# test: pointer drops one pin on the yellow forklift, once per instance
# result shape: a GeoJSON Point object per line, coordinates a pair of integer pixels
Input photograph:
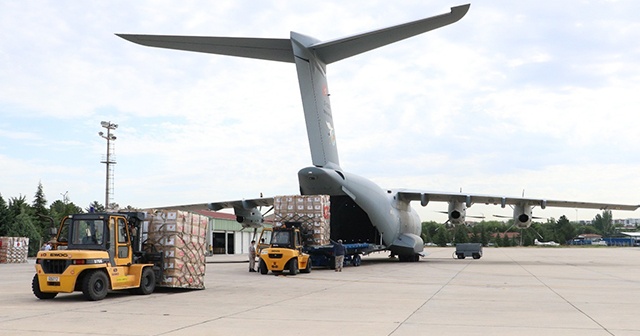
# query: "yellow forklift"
{"type": "Point", "coordinates": [96, 253]}
{"type": "Point", "coordinates": [282, 250]}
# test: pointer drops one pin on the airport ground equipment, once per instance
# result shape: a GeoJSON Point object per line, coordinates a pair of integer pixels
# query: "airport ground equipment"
{"type": "Point", "coordinates": [322, 256]}
{"type": "Point", "coordinates": [464, 250]}
{"type": "Point", "coordinates": [284, 251]}
{"type": "Point", "coordinates": [96, 253]}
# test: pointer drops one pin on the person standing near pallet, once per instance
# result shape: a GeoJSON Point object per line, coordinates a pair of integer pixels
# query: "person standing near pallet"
{"type": "Point", "coordinates": [252, 256]}
{"type": "Point", "coordinates": [338, 253]}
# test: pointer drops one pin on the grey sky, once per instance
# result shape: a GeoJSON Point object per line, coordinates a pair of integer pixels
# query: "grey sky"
{"type": "Point", "coordinates": [540, 96]}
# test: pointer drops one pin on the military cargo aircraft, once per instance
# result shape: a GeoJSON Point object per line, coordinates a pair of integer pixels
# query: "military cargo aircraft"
{"type": "Point", "coordinates": [361, 211]}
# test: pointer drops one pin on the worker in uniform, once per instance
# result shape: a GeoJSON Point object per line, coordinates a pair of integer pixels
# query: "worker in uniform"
{"type": "Point", "coordinates": [252, 256]}
{"type": "Point", "coordinates": [338, 253]}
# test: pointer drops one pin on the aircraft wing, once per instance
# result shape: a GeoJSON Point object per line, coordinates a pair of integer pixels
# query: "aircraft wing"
{"type": "Point", "coordinates": [215, 206]}
{"type": "Point", "coordinates": [426, 196]}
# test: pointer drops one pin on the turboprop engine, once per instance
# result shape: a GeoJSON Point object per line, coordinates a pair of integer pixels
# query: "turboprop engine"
{"type": "Point", "coordinates": [249, 218]}
{"type": "Point", "coordinates": [248, 212]}
{"type": "Point", "coordinates": [522, 215]}
{"type": "Point", "coordinates": [457, 212]}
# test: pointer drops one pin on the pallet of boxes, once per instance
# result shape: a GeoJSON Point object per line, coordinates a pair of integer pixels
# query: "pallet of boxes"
{"type": "Point", "coordinates": [180, 235]}
{"type": "Point", "coordinates": [312, 211]}
{"type": "Point", "coordinates": [14, 250]}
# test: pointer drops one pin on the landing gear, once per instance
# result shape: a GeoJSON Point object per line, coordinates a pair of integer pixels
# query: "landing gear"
{"type": "Point", "coordinates": [356, 260]}
{"type": "Point", "coordinates": [409, 257]}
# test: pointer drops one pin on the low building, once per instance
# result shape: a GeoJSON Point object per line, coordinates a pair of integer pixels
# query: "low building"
{"type": "Point", "coordinates": [225, 235]}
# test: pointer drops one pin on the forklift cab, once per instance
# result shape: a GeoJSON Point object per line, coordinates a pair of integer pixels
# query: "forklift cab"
{"type": "Point", "coordinates": [103, 232]}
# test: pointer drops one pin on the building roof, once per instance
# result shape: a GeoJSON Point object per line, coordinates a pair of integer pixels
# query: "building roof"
{"type": "Point", "coordinates": [632, 234]}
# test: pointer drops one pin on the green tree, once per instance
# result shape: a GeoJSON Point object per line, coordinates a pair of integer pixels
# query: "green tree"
{"type": "Point", "coordinates": [429, 230]}
{"type": "Point", "coordinates": [564, 230]}
{"type": "Point", "coordinates": [442, 236]}
{"type": "Point", "coordinates": [41, 212]}
{"type": "Point", "coordinates": [604, 223]}
{"type": "Point", "coordinates": [586, 229]}
{"type": "Point", "coordinates": [5, 217]}
{"type": "Point", "coordinates": [23, 223]}
{"type": "Point", "coordinates": [97, 207]}
{"type": "Point", "coordinates": [484, 236]}
{"type": "Point", "coordinates": [506, 242]}
{"type": "Point", "coordinates": [59, 210]}
{"type": "Point", "coordinates": [461, 234]}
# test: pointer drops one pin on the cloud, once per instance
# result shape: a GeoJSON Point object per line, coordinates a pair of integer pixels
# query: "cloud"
{"type": "Point", "coordinates": [514, 96]}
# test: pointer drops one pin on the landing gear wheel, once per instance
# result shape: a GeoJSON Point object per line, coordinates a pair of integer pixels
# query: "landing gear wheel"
{"type": "Point", "coordinates": [35, 286]}
{"type": "Point", "coordinates": [147, 282]}
{"type": "Point", "coordinates": [293, 266]}
{"type": "Point", "coordinates": [356, 260]}
{"type": "Point", "coordinates": [95, 286]}
{"type": "Point", "coordinates": [263, 267]}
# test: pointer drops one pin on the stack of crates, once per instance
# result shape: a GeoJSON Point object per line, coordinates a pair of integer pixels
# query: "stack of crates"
{"type": "Point", "coordinates": [180, 235]}
{"type": "Point", "coordinates": [313, 211]}
{"type": "Point", "coordinates": [14, 250]}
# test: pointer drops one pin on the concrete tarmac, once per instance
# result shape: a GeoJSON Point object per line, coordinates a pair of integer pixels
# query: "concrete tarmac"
{"type": "Point", "coordinates": [510, 291]}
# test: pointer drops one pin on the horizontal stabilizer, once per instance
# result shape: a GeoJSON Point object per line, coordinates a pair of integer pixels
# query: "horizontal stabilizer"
{"type": "Point", "coordinates": [332, 51]}
{"type": "Point", "coordinates": [261, 48]}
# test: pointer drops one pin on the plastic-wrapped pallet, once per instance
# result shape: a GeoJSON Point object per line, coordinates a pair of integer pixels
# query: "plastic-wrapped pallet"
{"type": "Point", "coordinates": [181, 236]}
{"type": "Point", "coordinates": [313, 211]}
{"type": "Point", "coordinates": [13, 250]}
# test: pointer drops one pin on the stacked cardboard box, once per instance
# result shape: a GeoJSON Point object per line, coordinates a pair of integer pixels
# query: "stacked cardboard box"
{"type": "Point", "coordinates": [181, 236]}
{"type": "Point", "coordinates": [313, 211]}
{"type": "Point", "coordinates": [13, 249]}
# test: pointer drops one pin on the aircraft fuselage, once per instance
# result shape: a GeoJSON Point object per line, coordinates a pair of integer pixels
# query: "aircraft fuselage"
{"type": "Point", "coordinates": [396, 222]}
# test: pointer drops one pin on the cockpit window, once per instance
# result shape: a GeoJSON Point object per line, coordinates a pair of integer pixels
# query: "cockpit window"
{"type": "Point", "coordinates": [281, 238]}
{"type": "Point", "coordinates": [88, 232]}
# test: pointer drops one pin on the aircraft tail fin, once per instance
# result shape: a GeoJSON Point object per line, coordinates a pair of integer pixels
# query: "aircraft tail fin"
{"type": "Point", "coordinates": [311, 57]}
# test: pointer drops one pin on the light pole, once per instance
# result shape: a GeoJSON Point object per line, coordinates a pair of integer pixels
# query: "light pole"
{"type": "Point", "coordinates": [109, 160]}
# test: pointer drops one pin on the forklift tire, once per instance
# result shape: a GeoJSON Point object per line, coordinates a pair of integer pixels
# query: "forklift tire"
{"type": "Point", "coordinates": [293, 266]}
{"type": "Point", "coordinates": [95, 285]}
{"type": "Point", "coordinates": [147, 282]}
{"type": "Point", "coordinates": [307, 269]}
{"type": "Point", "coordinates": [263, 267]}
{"type": "Point", "coordinates": [35, 286]}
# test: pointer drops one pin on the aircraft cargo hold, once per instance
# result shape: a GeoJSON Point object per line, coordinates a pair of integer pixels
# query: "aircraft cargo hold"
{"type": "Point", "coordinates": [302, 236]}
